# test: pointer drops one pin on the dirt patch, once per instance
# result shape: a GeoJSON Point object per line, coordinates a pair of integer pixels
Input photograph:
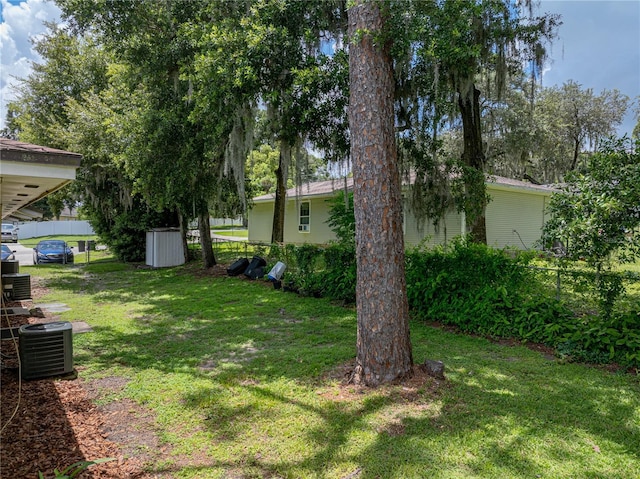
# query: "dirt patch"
{"type": "Point", "coordinates": [415, 387]}
{"type": "Point", "coordinates": [196, 269]}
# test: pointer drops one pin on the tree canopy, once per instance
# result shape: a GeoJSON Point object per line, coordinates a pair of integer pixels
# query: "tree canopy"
{"type": "Point", "coordinates": [197, 73]}
{"type": "Point", "coordinates": [597, 215]}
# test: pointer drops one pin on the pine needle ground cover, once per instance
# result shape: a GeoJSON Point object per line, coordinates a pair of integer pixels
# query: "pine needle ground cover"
{"type": "Point", "coordinates": [242, 380]}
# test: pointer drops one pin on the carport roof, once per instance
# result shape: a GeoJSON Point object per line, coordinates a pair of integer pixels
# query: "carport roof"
{"type": "Point", "coordinates": [31, 172]}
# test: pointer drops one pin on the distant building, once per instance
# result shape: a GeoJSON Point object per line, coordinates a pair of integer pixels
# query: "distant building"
{"type": "Point", "coordinates": [515, 215]}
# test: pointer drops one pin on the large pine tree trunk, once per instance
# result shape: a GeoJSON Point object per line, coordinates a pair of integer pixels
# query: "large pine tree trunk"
{"type": "Point", "coordinates": [473, 154]}
{"type": "Point", "coordinates": [383, 344]}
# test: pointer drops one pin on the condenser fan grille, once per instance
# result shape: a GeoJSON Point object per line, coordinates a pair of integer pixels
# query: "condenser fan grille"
{"type": "Point", "coordinates": [46, 349]}
{"type": "Point", "coordinates": [20, 285]}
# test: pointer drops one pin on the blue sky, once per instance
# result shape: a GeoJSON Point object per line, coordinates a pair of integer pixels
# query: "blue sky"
{"type": "Point", "coordinates": [598, 45]}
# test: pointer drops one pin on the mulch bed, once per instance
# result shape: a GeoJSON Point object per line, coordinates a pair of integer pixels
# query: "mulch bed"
{"type": "Point", "coordinates": [53, 423]}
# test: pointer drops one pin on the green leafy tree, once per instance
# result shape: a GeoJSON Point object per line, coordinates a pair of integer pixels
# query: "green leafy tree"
{"type": "Point", "coordinates": [541, 134]}
{"type": "Point", "coordinates": [72, 66]}
{"type": "Point", "coordinates": [342, 220]}
{"type": "Point", "coordinates": [268, 51]}
{"type": "Point", "coordinates": [263, 161]}
{"type": "Point", "coordinates": [574, 121]}
{"type": "Point", "coordinates": [176, 161]}
{"type": "Point", "coordinates": [513, 132]}
{"type": "Point", "coordinates": [119, 216]}
{"type": "Point", "coordinates": [260, 167]}
{"type": "Point", "coordinates": [466, 44]}
{"type": "Point", "coordinates": [597, 216]}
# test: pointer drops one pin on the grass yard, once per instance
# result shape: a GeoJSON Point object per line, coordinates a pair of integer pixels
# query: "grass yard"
{"type": "Point", "coordinates": [243, 381]}
{"type": "Point", "coordinates": [72, 240]}
{"type": "Point", "coordinates": [237, 232]}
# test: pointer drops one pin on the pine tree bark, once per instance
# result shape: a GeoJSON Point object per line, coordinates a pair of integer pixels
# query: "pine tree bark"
{"type": "Point", "coordinates": [383, 343]}
{"type": "Point", "coordinates": [473, 153]}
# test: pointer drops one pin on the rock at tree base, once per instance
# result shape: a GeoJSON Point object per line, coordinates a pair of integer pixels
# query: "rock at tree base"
{"type": "Point", "coordinates": [434, 368]}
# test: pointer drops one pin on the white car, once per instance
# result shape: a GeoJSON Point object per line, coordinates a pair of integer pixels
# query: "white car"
{"type": "Point", "coordinates": [9, 233]}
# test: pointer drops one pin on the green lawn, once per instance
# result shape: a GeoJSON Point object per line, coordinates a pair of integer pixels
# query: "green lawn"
{"type": "Point", "coordinates": [237, 376]}
{"type": "Point", "coordinates": [241, 233]}
{"type": "Point", "coordinates": [72, 240]}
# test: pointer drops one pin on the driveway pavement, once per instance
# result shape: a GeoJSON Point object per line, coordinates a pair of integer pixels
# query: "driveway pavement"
{"type": "Point", "coordinates": [218, 237]}
{"type": "Point", "coordinates": [23, 254]}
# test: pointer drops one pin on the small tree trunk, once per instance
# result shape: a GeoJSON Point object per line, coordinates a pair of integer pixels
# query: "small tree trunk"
{"type": "Point", "coordinates": [383, 344]}
{"type": "Point", "coordinates": [183, 230]}
{"type": "Point", "coordinates": [277, 230]}
{"type": "Point", "coordinates": [576, 153]}
{"type": "Point", "coordinates": [473, 156]}
{"type": "Point", "coordinates": [208, 258]}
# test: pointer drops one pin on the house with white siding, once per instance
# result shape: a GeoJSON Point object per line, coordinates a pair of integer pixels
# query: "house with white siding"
{"type": "Point", "coordinates": [515, 215]}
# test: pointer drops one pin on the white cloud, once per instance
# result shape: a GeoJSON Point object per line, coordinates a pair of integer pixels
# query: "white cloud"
{"type": "Point", "coordinates": [598, 44]}
{"type": "Point", "coordinates": [21, 22]}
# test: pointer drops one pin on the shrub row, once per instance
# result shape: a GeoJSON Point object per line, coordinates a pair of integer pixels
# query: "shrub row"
{"type": "Point", "coordinates": [327, 272]}
{"type": "Point", "coordinates": [479, 290]}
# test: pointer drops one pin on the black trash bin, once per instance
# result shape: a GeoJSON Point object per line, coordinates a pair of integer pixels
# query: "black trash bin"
{"type": "Point", "coordinates": [81, 246]}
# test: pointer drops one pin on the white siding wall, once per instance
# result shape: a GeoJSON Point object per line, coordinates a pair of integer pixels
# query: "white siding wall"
{"type": "Point", "coordinates": [515, 219]}
{"type": "Point", "coordinates": [448, 229]}
{"type": "Point", "coordinates": [260, 222]}
{"type": "Point", "coordinates": [319, 231]}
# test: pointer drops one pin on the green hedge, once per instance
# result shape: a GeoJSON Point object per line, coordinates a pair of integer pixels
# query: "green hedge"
{"type": "Point", "coordinates": [479, 290]}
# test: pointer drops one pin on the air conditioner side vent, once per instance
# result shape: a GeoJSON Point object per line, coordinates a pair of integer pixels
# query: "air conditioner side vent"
{"type": "Point", "coordinates": [20, 285]}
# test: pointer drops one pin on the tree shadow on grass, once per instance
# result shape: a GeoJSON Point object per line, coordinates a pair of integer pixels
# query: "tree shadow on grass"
{"type": "Point", "coordinates": [523, 432]}
{"type": "Point", "coordinates": [526, 415]}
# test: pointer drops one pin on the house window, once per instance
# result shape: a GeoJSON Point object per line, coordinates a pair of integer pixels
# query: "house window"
{"type": "Point", "coordinates": [304, 217]}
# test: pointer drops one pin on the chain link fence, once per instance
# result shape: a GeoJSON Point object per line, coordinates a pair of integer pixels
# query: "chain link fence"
{"type": "Point", "coordinates": [590, 292]}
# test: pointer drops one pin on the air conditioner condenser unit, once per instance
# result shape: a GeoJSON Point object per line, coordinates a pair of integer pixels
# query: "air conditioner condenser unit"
{"type": "Point", "coordinates": [46, 349]}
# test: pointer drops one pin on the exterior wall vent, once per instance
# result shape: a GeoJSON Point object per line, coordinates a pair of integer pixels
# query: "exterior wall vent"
{"type": "Point", "coordinates": [10, 266]}
{"type": "Point", "coordinates": [46, 349]}
{"type": "Point", "coordinates": [19, 284]}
